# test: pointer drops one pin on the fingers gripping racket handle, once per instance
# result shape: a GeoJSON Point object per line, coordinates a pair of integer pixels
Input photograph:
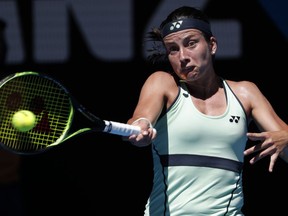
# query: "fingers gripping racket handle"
{"type": "Point", "coordinates": [122, 129]}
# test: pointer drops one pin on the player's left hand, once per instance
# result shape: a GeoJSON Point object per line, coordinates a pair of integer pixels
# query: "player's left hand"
{"type": "Point", "coordinates": [271, 143]}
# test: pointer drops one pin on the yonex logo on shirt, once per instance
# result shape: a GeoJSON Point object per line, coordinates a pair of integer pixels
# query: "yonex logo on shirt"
{"type": "Point", "coordinates": [234, 119]}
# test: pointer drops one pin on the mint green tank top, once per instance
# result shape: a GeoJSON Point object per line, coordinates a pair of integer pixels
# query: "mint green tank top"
{"type": "Point", "coordinates": [198, 160]}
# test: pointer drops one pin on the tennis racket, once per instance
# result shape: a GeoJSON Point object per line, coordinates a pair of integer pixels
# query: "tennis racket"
{"type": "Point", "coordinates": [56, 112]}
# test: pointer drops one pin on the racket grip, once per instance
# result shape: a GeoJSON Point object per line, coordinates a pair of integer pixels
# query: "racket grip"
{"type": "Point", "coordinates": [122, 129]}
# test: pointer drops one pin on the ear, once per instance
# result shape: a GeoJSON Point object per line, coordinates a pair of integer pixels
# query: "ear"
{"type": "Point", "coordinates": [213, 45]}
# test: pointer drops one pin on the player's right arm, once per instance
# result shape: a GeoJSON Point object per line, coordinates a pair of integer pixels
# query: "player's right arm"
{"type": "Point", "coordinates": [158, 91]}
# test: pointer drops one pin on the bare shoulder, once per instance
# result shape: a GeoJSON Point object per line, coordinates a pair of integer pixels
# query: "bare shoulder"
{"type": "Point", "coordinates": [162, 79]}
{"type": "Point", "coordinates": [247, 92]}
{"type": "Point", "coordinates": [243, 87]}
{"type": "Point", "coordinates": [163, 86]}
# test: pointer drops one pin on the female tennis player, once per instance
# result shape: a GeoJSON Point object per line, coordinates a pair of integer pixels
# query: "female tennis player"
{"type": "Point", "coordinates": [201, 121]}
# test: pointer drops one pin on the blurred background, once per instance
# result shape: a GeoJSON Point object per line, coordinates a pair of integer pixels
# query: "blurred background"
{"type": "Point", "coordinates": [97, 50]}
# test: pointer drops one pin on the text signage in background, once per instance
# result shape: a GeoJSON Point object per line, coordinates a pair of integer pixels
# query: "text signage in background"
{"type": "Point", "coordinates": [106, 26]}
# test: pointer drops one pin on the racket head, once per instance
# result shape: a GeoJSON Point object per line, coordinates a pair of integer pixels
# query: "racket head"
{"type": "Point", "coordinates": [47, 99]}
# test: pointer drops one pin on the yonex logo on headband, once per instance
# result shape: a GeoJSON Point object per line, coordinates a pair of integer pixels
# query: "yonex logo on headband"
{"type": "Point", "coordinates": [188, 23]}
{"type": "Point", "coordinates": [176, 25]}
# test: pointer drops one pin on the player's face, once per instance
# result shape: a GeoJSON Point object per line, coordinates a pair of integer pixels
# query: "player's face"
{"type": "Point", "coordinates": [189, 53]}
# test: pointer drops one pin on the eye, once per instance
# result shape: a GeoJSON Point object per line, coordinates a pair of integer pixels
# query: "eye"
{"type": "Point", "coordinates": [172, 49]}
{"type": "Point", "coordinates": [191, 43]}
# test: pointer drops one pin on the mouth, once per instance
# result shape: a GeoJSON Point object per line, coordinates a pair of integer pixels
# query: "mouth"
{"type": "Point", "coordinates": [187, 70]}
{"type": "Point", "coordinates": [190, 73]}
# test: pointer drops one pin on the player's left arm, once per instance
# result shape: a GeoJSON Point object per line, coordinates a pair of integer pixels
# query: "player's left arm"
{"type": "Point", "coordinates": [273, 136]}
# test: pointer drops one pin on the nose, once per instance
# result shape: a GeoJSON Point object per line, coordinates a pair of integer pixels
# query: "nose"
{"type": "Point", "coordinates": [183, 57]}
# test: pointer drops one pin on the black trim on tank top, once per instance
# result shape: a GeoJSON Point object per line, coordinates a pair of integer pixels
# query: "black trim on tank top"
{"type": "Point", "coordinates": [200, 160]}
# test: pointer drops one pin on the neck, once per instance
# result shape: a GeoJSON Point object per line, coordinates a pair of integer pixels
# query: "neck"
{"type": "Point", "coordinates": [205, 90]}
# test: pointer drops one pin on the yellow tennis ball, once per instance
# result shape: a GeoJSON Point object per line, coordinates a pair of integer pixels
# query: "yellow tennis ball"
{"type": "Point", "coordinates": [23, 120]}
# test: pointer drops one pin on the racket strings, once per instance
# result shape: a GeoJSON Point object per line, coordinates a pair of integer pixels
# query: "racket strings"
{"type": "Point", "coordinates": [47, 99]}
